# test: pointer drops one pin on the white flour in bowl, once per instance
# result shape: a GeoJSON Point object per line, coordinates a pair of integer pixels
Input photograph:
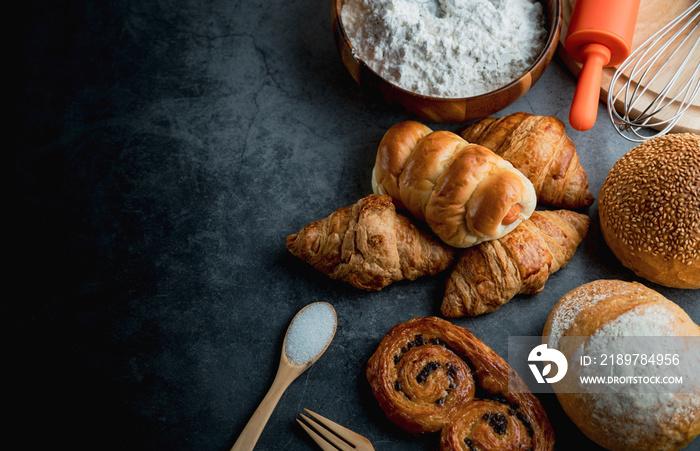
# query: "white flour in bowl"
{"type": "Point", "coordinates": [446, 48]}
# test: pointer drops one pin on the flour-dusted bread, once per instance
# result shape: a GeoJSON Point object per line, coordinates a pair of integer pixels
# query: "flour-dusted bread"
{"type": "Point", "coordinates": [465, 192]}
{"type": "Point", "coordinates": [627, 420]}
{"type": "Point", "coordinates": [650, 210]}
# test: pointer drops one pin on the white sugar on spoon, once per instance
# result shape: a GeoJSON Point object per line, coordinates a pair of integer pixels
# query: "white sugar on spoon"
{"type": "Point", "coordinates": [310, 332]}
{"type": "Point", "coordinates": [307, 338]}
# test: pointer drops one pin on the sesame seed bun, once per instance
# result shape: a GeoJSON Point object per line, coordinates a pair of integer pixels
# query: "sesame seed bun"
{"type": "Point", "coordinates": [649, 209]}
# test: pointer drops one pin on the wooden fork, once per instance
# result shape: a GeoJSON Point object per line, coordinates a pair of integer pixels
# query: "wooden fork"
{"type": "Point", "coordinates": [331, 436]}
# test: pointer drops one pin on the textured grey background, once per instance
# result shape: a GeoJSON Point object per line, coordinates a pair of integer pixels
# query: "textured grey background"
{"type": "Point", "coordinates": [160, 152]}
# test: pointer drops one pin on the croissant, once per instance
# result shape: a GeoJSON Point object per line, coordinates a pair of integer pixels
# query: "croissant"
{"type": "Point", "coordinates": [538, 147]}
{"type": "Point", "coordinates": [429, 375]}
{"type": "Point", "coordinates": [466, 193]}
{"type": "Point", "coordinates": [370, 246]}
{"type": "Point", "coordinates": [489, 275]}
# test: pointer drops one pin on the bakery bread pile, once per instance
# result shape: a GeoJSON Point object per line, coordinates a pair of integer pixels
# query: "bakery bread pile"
{"type": "Point", "coordinates": [429, 375]}
{"type": "Point", "coordinates": [470, 206]}
{"type": "Point", "coordinates": [470, 198]}
{"type": "Point", "coordinates": [650, 210]}
{"type": "Point", "coordinates": [434, 176]}
{"type": "Point", "coordinates": [628, 421]}
{"type": "Point", "coordinates": [466, 193]}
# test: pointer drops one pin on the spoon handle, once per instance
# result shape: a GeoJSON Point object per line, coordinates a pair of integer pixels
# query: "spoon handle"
{"type": "Point", "coordinates": [249, 437]}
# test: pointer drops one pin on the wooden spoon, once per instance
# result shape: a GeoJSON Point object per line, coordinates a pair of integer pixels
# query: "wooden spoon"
{"type": "Point", "coordinates": [289, 369]}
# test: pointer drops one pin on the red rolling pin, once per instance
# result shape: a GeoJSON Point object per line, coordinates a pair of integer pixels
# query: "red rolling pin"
{"type": "Point", "coordinates": [600, 35]}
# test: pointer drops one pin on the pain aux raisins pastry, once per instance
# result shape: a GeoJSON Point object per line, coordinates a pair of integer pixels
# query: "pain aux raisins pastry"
{"type": "Point", "coordinates": [429, 375]}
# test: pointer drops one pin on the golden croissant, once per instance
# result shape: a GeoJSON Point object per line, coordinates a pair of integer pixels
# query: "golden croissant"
{"type": "Point", "coordinates": [466, 193]}
{"type": "Point", "coordinates": [539, 147]}
{"type": "Point", "coordinates": [370, 246]}
{"type": "Point", "coordinates": [490, 274]}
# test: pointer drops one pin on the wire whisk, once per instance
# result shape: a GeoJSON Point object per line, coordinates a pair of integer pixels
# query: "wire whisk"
{"type": "Point", "coordinates": [659, 81]}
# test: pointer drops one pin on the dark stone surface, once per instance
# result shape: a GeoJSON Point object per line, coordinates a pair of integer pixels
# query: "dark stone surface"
{"type": "Point", "coordinates": [160, 152]}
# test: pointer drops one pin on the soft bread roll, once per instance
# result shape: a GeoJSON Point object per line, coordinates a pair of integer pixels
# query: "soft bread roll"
{"type": "Point", "coordinates": [466, 193]}
{"type": "Point", "coordinates": [625, 421]}
{"type": "Point", "coordinates": [650, 210]}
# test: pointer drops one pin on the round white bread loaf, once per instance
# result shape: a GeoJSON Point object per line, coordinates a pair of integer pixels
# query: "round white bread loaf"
{"type": "Point", "coordinates": [629, 421]}
{"type": "Point", "coordinates": [650, 210]}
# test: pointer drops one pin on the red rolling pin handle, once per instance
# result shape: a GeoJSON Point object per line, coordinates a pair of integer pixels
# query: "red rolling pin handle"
{"type": "Point", "coordinates": [600, 35]}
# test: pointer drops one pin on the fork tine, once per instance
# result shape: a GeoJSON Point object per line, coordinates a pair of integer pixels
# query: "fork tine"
{"type": "Point", "coordinates": [320, 441]}
{"type": "Point", "coordinates": [360, 442]}
{"type": "Point", "coordinates": [323, 434]}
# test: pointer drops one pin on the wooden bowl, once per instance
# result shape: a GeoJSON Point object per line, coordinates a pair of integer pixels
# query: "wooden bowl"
{"type": "Point", "coordinates": [445, 109]}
